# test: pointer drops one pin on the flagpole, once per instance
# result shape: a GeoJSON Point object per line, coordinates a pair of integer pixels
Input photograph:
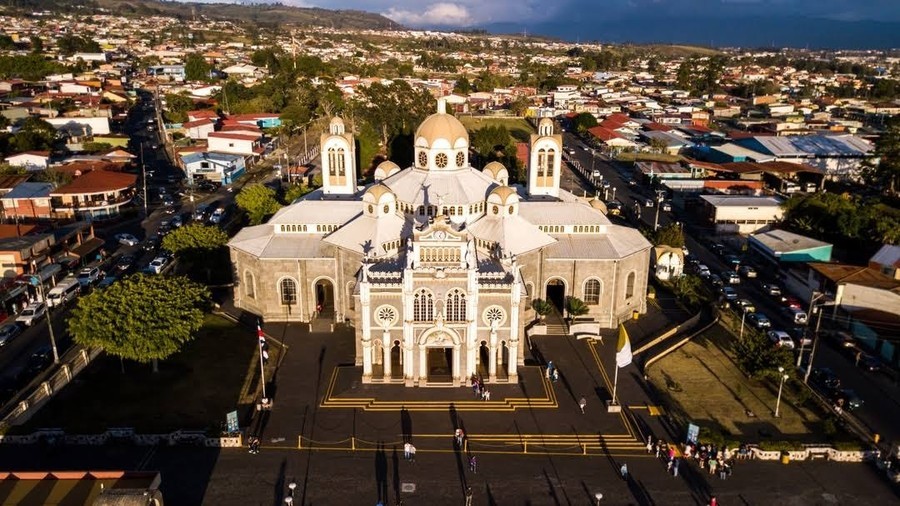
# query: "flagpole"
{"type": "Point", "coordinates": [262, 371]}
{"type": "Point", "coordinates": [615, 384]}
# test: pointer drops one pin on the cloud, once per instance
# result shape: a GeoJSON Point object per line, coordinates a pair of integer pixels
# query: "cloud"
{"type": "Point", "coordinates": [439, 14]}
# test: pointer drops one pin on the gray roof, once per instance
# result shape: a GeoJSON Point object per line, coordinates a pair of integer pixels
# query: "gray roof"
{"type": "Point", "coordinates": [262, 242]}
{"type": "Point", "coordinates": [212, 156]}
{"type": "Point", "coordinates": [30, 191]}
{"type": "Point", "coordinates": [810, 145]}
{"type": "Point", "coordinates": [671, 140]}
{"type": "Point", "coordinates": [561, 213]}
{"type": "Point", "coordinates": [741, 201]}
{"type": "Point", "coordinates": [428, 187]}
{"type": "Point", "coordinates": [617, 243]}
{"type": "Point", "coordinates": [736, 151]}
{"type": "Point", "coordinates": [782, 241]}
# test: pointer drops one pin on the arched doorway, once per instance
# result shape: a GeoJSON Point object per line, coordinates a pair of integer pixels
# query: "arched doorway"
{"type": "Point", "coordinates": [396, 360]}
{"type": "Point", "coordinates": [484, 359]}
{"type": "Point", "coordinates": [556, 294]}
{"type": "Point", "coordinates": [324, 291]}
{"type": "Point", "coordinates": [502, 360]}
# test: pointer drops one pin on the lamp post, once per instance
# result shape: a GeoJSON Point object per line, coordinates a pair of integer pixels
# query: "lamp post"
{"type": "Point", "coordinates": [36, 281]}
{"type": "Point", "coordinates": [812, 300]}
{"type": "Point", "coordinates": [599, 497]}
{"type": "Point", "coordinates": [743, 315]}
{"type": "Point", "coordinates": [784, 378]}
{"type": "Point", "coordinates": [614, 192]}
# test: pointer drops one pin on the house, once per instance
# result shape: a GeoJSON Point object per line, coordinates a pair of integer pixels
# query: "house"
{"type": "Point", "coordinates": [96, 195]}
{"type": "Point", "coordinates": [737, 214]}
{"type": "Point", "coordinates": [81, 126]}
{"type": "Point", "coordinates": [887, 260]}
{"type": "Point", "coordinates": [840, 156]}
{"type": "Point", "coordinates": [202, 114]}
{"type": "Point", "coordinates": [18, 254]}
{"type": "Point", "coordinates": [671, 143]}
{"type": "Point", "coordinates": [8, 182]}
{"type": "Point", "coordinates": [27, 201]}
{"type": "Point", "coordinates": [261, 120]}
{"type": "Point", "coordinates": [30, 160]}
{"type": "Point", "coordinates": [240, 144]}
{"type": "Point", "coordinates": [221, 167]}
{"type": "Point", "coordinates": [611, 141]}
{"type": "Point", "coordinates": [731, 152]}
{"type": "Point", "coordinates": [778, 247]}
{"type": "Point", "coordinates": [199, 129]}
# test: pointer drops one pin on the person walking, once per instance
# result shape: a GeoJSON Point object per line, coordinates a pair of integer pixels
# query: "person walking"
{"type": "Point", "coordinates": [675, 463]}
{"type": "Point", "coordinates": [624, 471]}
{"type": "Point", "coordinates": [412, 453]}
{"type": "Point", "coordinates": [582, 403]}
{"type": "Point", "coordinates": [473, 465]}
{"type": "Point", "coordinates": [457, 437]}
{"type": "Point", "coordinates": [487, 395]}
{"type": "Point", "coordinates": [713, 501]}
{"type": "Point", "coordinates": [406, 451]}
{"type": "Point", "coordinates": [469, 496]}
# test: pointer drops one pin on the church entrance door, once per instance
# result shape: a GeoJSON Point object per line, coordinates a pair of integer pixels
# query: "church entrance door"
{"type": "Point", "coordinates": [324, 298]}
{"type": "Point", "coordinates": [556, 294]}
{"type": "Point", "coordinates": [440, 365]}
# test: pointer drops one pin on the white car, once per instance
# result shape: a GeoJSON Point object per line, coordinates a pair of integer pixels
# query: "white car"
{"type": "Point", "coordinates": [157, 265]}
{"type": "Point", "coordinates": [32, 313]}
{"type": "Point", "coordinates": [127, 239]}
{"type": "Point", "coordinates": [217, 216]}
{"type": "Point", "coordinates": [780, 338]}
{"type": "Point", "coordinates": [88, 276]}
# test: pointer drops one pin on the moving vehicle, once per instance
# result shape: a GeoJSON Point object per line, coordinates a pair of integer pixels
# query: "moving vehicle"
{"type": "Point", "coordinates": [745, 306]}
{"type": "Point", "coordinates": [200, 213]}
{"type": "Point", "coordinates": [797, 315]}
{"type": "Point", "coordinates": [64, 291]}
{"type": "Point", "coordinates": [613, 208]}
{"type": "Point", "coordinates": [731, 277]}
{"type": "Point", "coordinates": [729, 293]}
{"type": "Point", "coordinates": [32, 313]}
{"type": "Point", "coordinates": [847, 399]}
{"type": "Point", "coordinates": [666, 206]}
{"type": "Point", "coordinates": [703, 271]}
{"type": "Point", "coordinates": [780, 338]}
{"type": "Point", "coordinates": [772, 289]}
{"type": "Point", "coordinates": [177, 221]}
{"type": "Point", "coordinates": [747, 271]}
{"type": "Point", "coordinates": [127, 239]}
{"type": "Point", "coordinates": [124, 263]}
{"type": "Point", "coordinates": [825, 379]}
{"type": "Point", "coordinates": [217, 216]}
{"type": "Point", "coordinates": [8, 333]}
{"type": "Point", "coordinates": [760, 321]}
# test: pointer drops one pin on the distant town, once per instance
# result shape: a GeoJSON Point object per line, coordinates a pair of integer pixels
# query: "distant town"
{"type": "Point", "coordinates": [243, 262]}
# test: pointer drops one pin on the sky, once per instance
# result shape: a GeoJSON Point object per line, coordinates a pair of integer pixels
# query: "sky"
{"type": "Point", "coordinates": [822, 23]}
{"type": "Point", "coordinates": [464, 13]}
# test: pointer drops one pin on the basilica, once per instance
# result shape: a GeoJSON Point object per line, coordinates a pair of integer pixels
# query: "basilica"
{"type": "Point", "coordinates": [436, 266]}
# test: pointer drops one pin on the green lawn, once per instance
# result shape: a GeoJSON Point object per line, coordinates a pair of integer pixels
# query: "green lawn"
{"type": "Point", "coordinates": [194, 389]}
{"type": "Point", "coordinates": [702, 384]}
{"type": "Point", "coordinates": [519, 129]}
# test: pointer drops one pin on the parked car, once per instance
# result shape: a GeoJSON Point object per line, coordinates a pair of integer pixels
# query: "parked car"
{"type": "Point", "coordinates": [788, 301]}
{"type": "Point", "coordinates": [127, 239]}
{"type": "Point", "coordinates": [868, 362]}
{"type": "Point", "coordinates": [747, 271]}
{"type": "Point", "coordinates": [124, 263]}
{"type": "Point", "coordinates": [729, 293]}
{"type": "Point", "coordinates": [772, 289]}
{"type": "Point", "coordinates": [88, 276]}
{"type": "Point", "coordinates": [177, 221]}
{"type": "Point", "coordinates": [666, 206]}
{"type": "Point", "coordinates": [733, 261]}
{"type": "Point", "coordinates": [151, 243]}
{"type": "Point", "coordinates": [157, 264]}
{"type": "Point", "coordinates": [648, 202]}
{"type": "Point", "coordinates": [8, 333]}
{"type": "Point", "coordinates": [703, 271]}
{"type": "Point", "coordinates": [32, 313]}
{"type": "Point", "coordinates": [759, 320]}
{"type": "Point", "coordinates": [217, 216]}
{"type": "Point", "coordinates": [780, 338]}
{"type": "Point", "coordinates": [106, 282]}
{"type": "Point", "coordinates": [715, 281]}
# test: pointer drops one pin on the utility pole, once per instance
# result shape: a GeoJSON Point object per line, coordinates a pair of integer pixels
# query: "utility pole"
{"type": "Point", "coordinates": [36, 281]}
{"type": "Point", "coordinates": [144, 176]}
{"type": "Point", "coordinates": [812, 353]}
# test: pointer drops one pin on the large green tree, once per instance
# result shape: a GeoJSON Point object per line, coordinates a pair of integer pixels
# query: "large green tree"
{"type": "Point", "coordinates": [199, 248]}
{"type": "Point", "coordinates": [886, 173]}
{"type": "Point", "coordinates": [196, 68]}
{"type": "Point", "coordinates": [142, 317]}
{"type": "Point", "coordinates": [584, 121]}
{"type": "Point", "coordinates": [258, 201]}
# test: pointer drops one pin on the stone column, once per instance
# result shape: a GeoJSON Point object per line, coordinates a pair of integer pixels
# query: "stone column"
{"type": "Point", "coordinates": [457, 348]}
{"type": "Point", "coordinates": [423, 366]}
{"type": "Point", "coordinates": [492, 357]}
{"type": "Point", "coordinates": [386, 351]}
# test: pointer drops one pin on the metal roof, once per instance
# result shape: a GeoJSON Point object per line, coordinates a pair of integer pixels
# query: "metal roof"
{"type": "Point", "coordinates": [810, 145]}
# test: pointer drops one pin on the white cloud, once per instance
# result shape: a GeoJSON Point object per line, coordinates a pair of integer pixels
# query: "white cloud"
{"type": "Point", "coordinates": [439, 14]}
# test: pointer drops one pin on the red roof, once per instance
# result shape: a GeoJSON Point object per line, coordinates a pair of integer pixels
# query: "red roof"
{"type": "Point", "coordinates": [97, 181]}
{"type": "Point", "coordinates": [45, 154]}
{"type": "Point", "coordinates": [604, 134]}
{"type": "Point", "coordinates": [657, 127]}
{"type": "Point", "coordinates": [203, 113]}
{"type": "Point", "coordinates": [230, 126]}
{"type": "Point", "coordinates": [611, 123]}
{"type": "Point", "coordinates": [252, 116]}
{"type": "Point", "coordinates": [237, 137]}
{"type": "Point", "coordinates": [619, 117]}
{"type": "Point", "coordinates": [199, 122]}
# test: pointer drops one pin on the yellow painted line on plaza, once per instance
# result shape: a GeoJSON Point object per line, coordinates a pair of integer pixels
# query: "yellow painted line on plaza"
{"type": "Point", "coordinates": [596, 355]}
{"type": "Point", "coordinates": [480, 452]}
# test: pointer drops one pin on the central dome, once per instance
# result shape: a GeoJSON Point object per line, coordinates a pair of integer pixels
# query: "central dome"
{"type": "Point", "coordinates": [442, 130]}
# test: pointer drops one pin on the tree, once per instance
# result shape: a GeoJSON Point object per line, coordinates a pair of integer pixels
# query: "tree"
{"type": "Point", "coordinates": [295, 191]}
{"type": "Point", "coordinates": [658, 145]}
{"type": "Point", "coordinates": [258, 201]}
{"type": "Point", "coordinates": [576, 307]}
{"type": "Point", "coordinates": [887, 148]}
{"type": "Point", "coordinates": [196, 68]}
{"type": "Point", "coordinates": [177, 107]}
{"type": "Point", "coordinates": [71, 44]}
{"type": "Point", "coordinates": [37, 44]}
{"type": "Point", "coordinates": [196, 246]}
{"type": "Point", "coordinates": [584, 121]}
{"type": "Point", "coordinates": [542, 307]}
{"type": "Point", "coordinates": [684, 77]}
{"type": "Point", "coordinates": [757, 357]}
{"type": "Point", "coordinates": [462, 86]}
{"type": "Point", "coordinates": [142, 317]}
{"type": "Point", "coordinates": [669, 235]}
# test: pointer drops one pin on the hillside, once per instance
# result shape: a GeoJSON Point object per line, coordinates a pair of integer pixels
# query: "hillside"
{"type": "Point", "coordinates": [263, 14]}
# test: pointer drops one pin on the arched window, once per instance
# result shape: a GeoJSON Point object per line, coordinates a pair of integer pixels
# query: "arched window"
{"type": "Point", "coordinates": [551, 160]}
{"type": "Point", "coordinates": [592, 292]}
{"type": "Point", "coordinates": [456, 306]}
{"type": "Point", "coordinates": [423, 306]}
{"type": "Point", "coordinates": [340, 162]}
{"type": "Point", "coordinates": [288, 289]}
{"type": "Point", "coordinates": [542, 162]}
{"type": "Point", "coordinates": [249, 285]}
{"type": "Point", "coordinates": [332, 161]}
{"type": "Point", "coordinates": [629, 286]}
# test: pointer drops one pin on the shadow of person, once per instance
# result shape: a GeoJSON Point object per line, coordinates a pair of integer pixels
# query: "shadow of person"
{"type": "Point", "coordinates": [395, 479]}
{"type": "Point", "coordinates": [381, 473]}
{"type": "Point", "coordinates": [454, 416]}
{"type": "Point", "coordinates": [406, 425]}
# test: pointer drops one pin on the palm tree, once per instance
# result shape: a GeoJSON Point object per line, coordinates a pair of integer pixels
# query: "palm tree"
{"type": "Point", "coordinates": [542, 307]}
{"type": "Point", "coordinates": [576, 307]}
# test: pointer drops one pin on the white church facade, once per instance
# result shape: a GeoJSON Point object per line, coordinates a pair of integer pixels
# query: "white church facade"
{"type": "Point", "coordinates": [435, 266]}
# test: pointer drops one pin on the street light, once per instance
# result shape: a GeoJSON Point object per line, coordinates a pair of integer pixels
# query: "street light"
{"type": "Point", "coordinates": [598, 496]}
{"type": "Point", "coordinates": [784, 378]}
{"type": "Point", "coordinates": [289, 500]}
{"type": "Point", "coordinates": [743, 315]}
{"type": "Point", "coordinates": [291, 486]}
{"type": "Point", "coordinates": [36, 281]}
{"type": "Point", "coordinates": [614, 192]}
{"type": "Point", "coordinates": [812, 300]}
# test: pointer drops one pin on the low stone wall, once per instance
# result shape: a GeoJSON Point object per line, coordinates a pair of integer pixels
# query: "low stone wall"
{"type": "Point", "coordinates": [817, 450]}
{"type": "Point", "coordinates": [125, 436]}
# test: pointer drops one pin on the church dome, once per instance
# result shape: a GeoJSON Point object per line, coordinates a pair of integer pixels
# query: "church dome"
{"type": "Point", "coordinates": [495, 170]}
{"type": "Point", "coordinates": [385, 170]}
{"type": "Point", "coordinates": [442, 130]}
{"type": "Point", "coordinates": [505, 192]}
{"type": "Point", "coordinates": [377, 191]}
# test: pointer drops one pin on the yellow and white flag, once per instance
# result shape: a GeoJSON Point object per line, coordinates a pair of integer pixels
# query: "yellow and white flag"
{"type": "Point", "coordinates": [623, 348]}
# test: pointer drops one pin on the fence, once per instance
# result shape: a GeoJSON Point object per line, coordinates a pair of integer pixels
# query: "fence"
{"type": "Point", "coordinates": [73, 362]}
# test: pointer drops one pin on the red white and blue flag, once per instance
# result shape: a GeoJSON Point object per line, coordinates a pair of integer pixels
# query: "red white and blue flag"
{"type": "Point", "coordinates": [262, 342]}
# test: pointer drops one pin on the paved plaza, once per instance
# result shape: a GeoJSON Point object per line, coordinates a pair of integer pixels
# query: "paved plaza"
{"type": "Point", "coordinates": [341, 442]}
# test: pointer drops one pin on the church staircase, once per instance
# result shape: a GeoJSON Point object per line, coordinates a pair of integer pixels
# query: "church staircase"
{"type": "Point", "coordinates": [556, 324]}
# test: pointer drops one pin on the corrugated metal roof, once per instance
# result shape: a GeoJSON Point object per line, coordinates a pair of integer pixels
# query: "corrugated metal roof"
{"type": "Point", "coordinates": [561, 213]}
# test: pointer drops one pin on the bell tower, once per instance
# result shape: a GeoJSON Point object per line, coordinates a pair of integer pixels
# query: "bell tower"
{"type": "Point", "coordinates": [544, 161]}
{"type": "Point", "coordinates": [338, 151]}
